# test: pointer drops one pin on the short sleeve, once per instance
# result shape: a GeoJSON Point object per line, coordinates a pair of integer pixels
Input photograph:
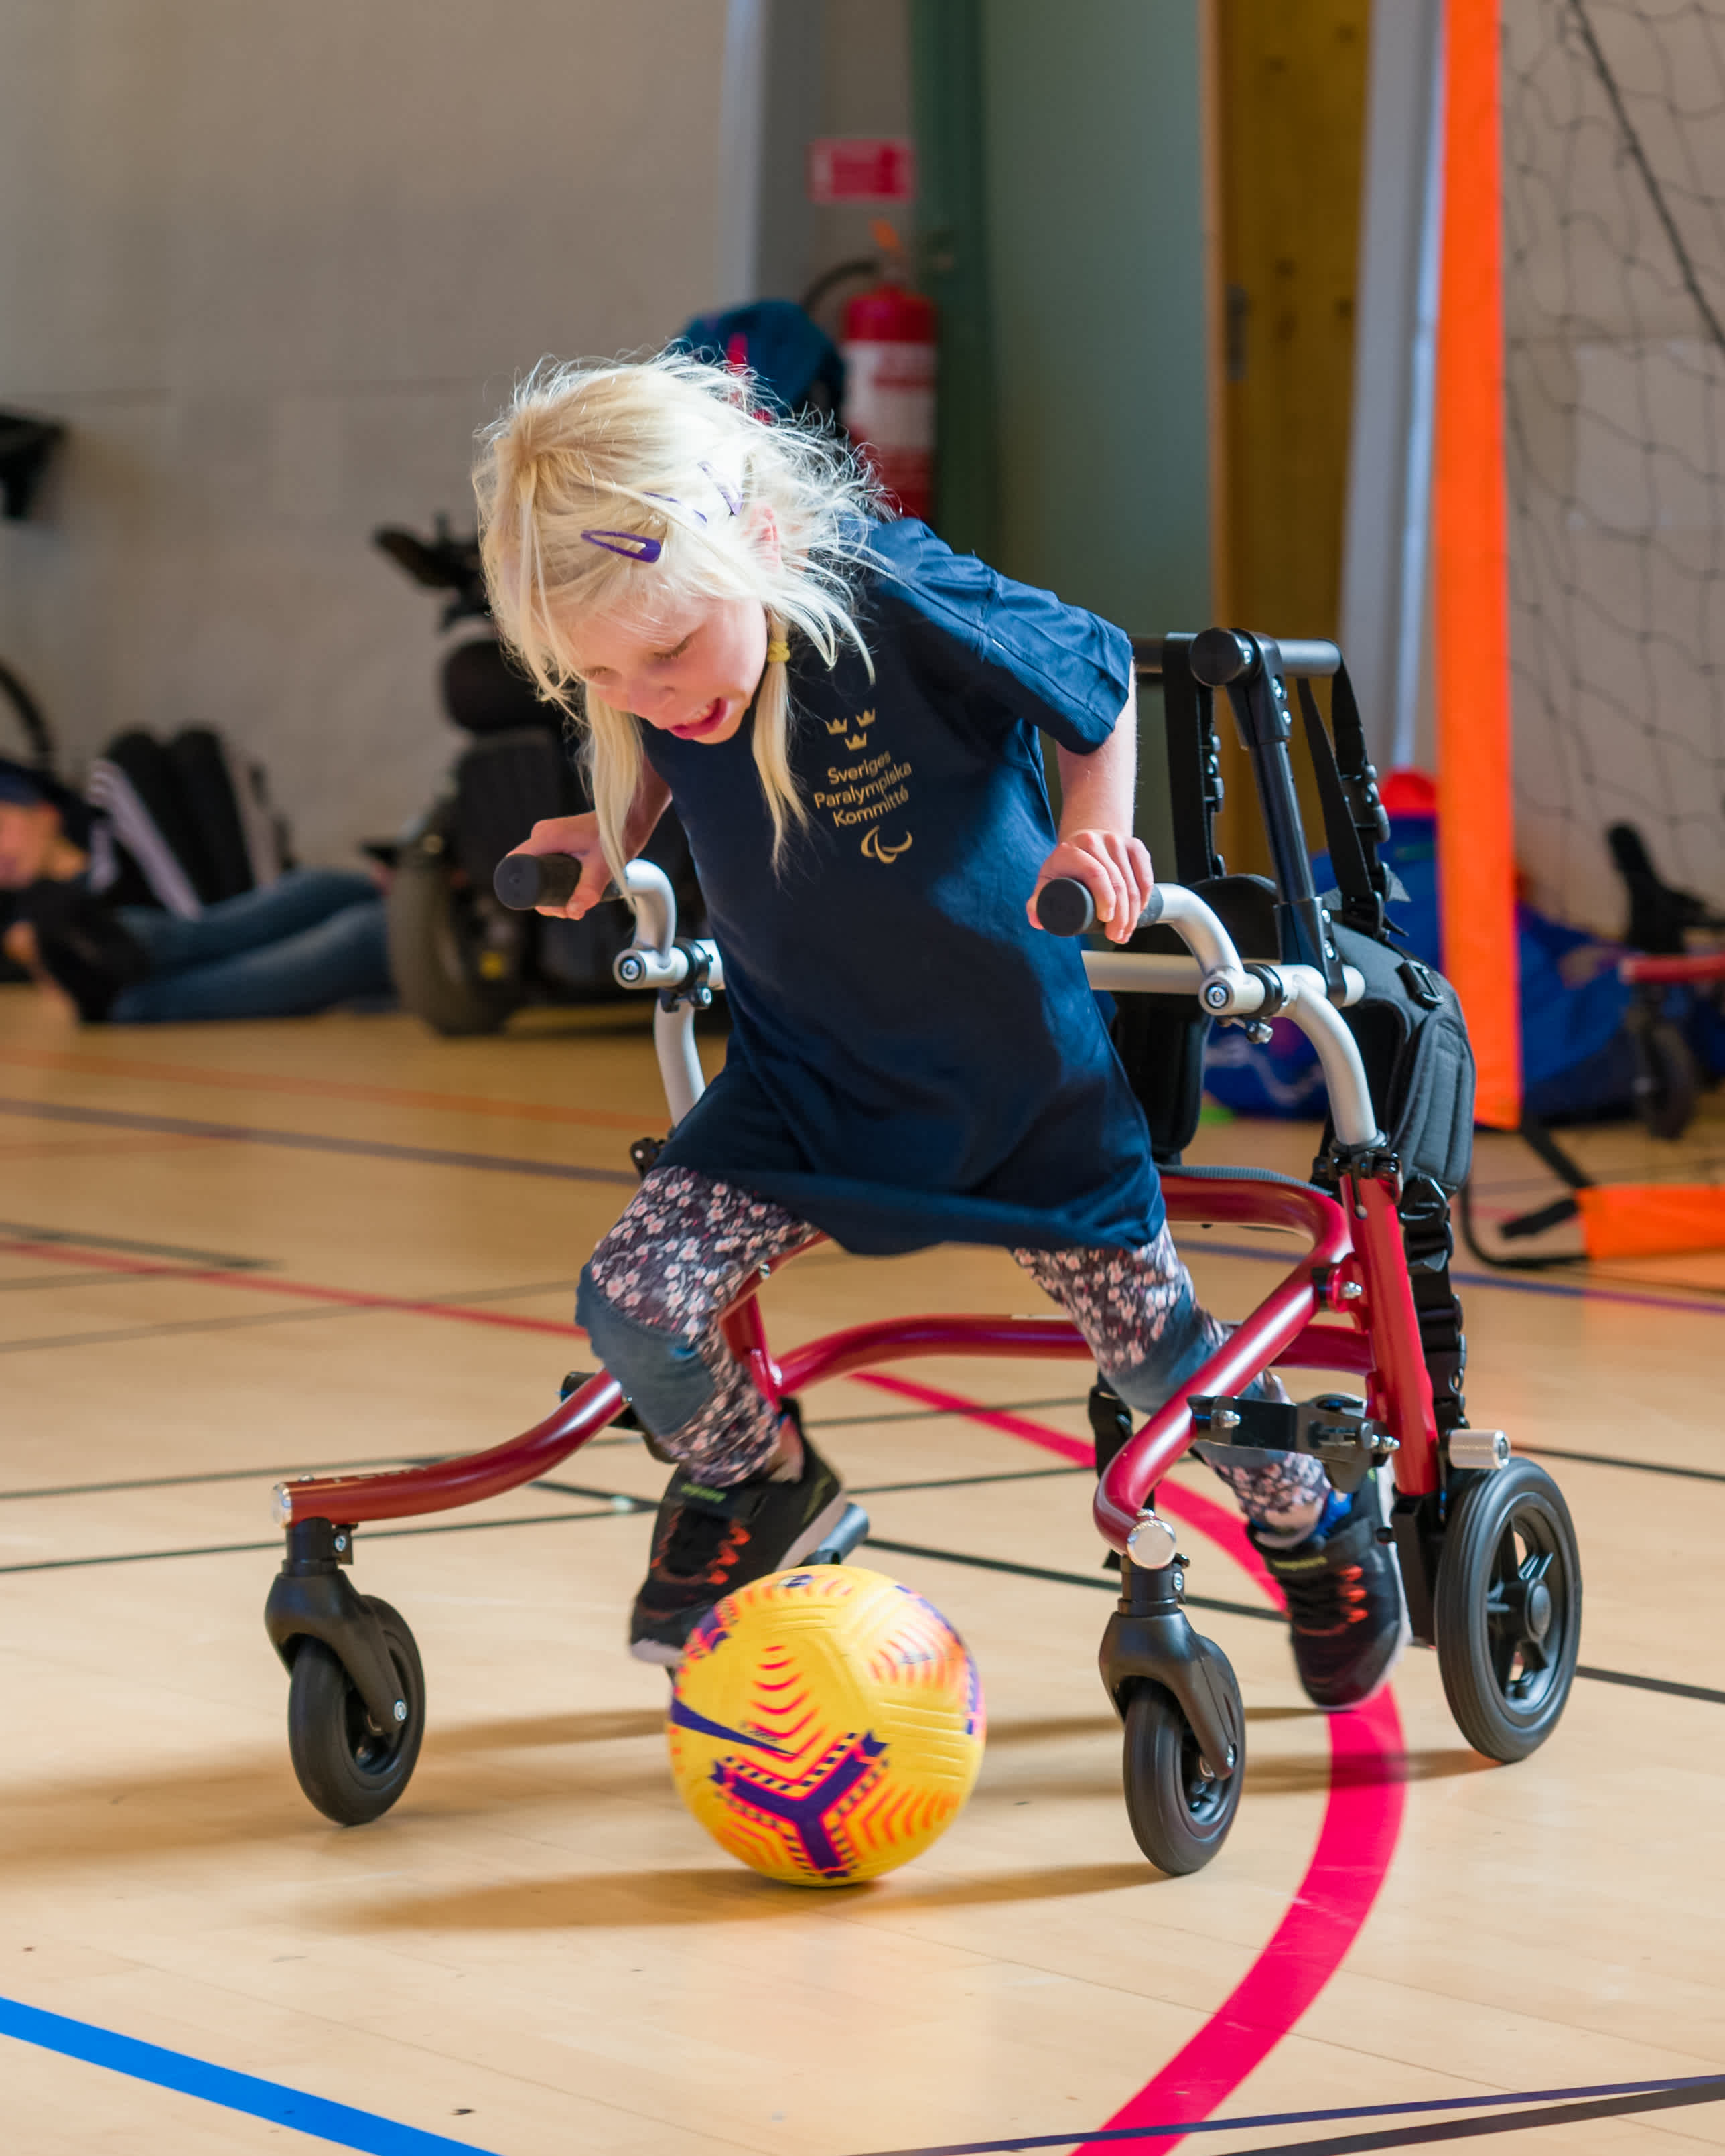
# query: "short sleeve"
{"type": "Point", "coordinates": [1023, 650]}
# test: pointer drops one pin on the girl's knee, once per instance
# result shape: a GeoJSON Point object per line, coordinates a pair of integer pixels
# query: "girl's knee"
{"type": "Point", "coordinates": [663, 1374]}
{"type": "Point", "coordinates": [1160, 1361]}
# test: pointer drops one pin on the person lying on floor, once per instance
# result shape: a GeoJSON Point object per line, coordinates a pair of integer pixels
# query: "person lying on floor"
{"type": "Point", "coordinates": [313, 938]}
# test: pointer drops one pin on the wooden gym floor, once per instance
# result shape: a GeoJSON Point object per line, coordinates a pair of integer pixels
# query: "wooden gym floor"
{"type": "Point", "coordinates": [232, 1252]}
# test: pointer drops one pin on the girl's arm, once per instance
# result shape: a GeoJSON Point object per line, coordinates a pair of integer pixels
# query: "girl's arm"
{"type": "Point", "coordinates": [579, 835]}
{"type": "Point", "coordinates": [1096, 844]}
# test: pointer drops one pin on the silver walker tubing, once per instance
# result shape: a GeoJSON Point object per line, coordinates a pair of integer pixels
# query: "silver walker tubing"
{"type": "Point", "coordinates": [652, 961]}
{"type": "Point", "coordinates": [1213, 973]}
{"type": "Point", "coordinates": [1216, 976]}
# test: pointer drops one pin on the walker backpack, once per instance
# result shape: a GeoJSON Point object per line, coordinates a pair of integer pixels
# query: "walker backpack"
{"type": "Point", "coordinates": [1408, 1025]}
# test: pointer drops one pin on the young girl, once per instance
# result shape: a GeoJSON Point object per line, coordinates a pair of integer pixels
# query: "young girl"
{"type": "Point", "coordinates": [846, 714]}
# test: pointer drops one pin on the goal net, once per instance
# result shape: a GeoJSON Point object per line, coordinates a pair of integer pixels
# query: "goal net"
{"type": "Point", "coordinates": [1613, 306]}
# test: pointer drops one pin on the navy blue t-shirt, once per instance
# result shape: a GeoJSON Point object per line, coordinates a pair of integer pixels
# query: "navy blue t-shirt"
{"type": "Point", "coordinates": [911, 1061]}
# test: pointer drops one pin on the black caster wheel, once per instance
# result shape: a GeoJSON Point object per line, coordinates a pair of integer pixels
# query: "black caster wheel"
{"type": "Point", "coordinates": [1667, 1081]}
{"type": "Point", "coordinates": [352, 1770]}
{"type": "Point", "coordinates": [1506, 1615]}
{"type": "Point", "coordinates": [1179, 1807]}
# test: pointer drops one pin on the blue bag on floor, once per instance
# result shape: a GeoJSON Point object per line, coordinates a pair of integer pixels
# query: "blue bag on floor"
{"type": "Point", "coordinates": [1576, 1060]}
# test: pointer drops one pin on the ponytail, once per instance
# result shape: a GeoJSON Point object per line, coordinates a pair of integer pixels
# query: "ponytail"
{"type": "Point", "coordinates": [771, 743]}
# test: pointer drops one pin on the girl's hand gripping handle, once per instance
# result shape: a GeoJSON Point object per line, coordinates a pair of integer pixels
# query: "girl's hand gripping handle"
{"type": "Point", "coordinates": [560, 869]}
{"type": "Point", "coordinates": [526, 880]}
{"type": "Point", "coordinates": [1064, 907]}
{"type": "Point", "coordinates": [1113, 865]}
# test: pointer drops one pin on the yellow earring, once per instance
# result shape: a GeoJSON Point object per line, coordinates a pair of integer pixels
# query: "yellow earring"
{"type": "Point", "coordinates": [778, 653]}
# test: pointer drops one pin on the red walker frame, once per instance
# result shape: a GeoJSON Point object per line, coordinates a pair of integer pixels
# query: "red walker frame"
{"type": "Point", "coordinates": [1354, 1271]}
{"type": "Point", "coordinates": [1488, 1562]}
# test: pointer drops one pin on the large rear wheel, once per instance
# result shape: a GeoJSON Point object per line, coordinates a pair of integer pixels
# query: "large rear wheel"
{"type": "Point", "coordinates": [446, 971]}
{"type": "Point", "coordinates": [1508, 1611]}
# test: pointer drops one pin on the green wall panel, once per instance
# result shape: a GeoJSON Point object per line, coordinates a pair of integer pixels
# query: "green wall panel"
{"type": "Point", "coordinates": [1092, 166]}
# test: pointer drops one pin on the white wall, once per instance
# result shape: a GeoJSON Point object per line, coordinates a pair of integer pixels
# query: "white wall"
{"type": "Point", "coordinates": [274, 265]}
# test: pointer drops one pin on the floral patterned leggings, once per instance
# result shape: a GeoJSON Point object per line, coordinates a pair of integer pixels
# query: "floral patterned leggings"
{"type": "Point", "coordinates": [653, 1291]}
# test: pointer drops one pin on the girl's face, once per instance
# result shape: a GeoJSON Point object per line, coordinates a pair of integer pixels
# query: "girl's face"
{"type": "Point", "coordinates": [692, 671]}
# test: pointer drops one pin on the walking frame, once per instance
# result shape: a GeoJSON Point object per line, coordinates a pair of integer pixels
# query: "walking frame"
{"type": "Point", "coordinates": [1500, 1601]}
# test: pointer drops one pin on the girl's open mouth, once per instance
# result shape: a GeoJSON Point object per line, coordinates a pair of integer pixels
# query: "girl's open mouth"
{"type": "Point", "coordinates": [712, 716]}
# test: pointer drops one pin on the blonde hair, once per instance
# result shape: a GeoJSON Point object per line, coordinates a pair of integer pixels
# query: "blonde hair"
{"type": "Point", "coordinates": [628, 483]}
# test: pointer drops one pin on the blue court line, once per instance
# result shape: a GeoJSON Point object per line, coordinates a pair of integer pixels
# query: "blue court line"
{"type": "Point", "coordinates": [312, 1141]}
{"type": "Point", "coordinates": [339, 2123]}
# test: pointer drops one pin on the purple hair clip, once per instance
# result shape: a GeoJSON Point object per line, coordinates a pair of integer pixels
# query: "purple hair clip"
{"type": "Point", "coordinates": [728, 495]}
{"type": "Point", "coordinates": [633, 545]}
{"type": "Point", "coordinates": [674, 503]}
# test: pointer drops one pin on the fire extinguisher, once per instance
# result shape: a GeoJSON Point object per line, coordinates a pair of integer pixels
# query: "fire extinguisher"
{"type": "Point", "coordinates": [889, 346]}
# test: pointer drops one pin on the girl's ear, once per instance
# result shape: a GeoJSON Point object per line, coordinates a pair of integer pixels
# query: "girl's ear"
{"type": "Point", "coordinates": [761, 526]}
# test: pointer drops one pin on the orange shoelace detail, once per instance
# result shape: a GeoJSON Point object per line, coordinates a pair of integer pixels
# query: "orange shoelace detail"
{"type": "Point", "coordinates": [1346, 1589]}
{"type": "Point", "coordinates": [736, 1537]}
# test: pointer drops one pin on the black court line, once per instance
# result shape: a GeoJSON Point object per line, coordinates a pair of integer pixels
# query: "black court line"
{"type": "Point", "coordinates": [185, 1127]}
{"type": "Point", "coordinates": [10, 1283]}
{"type": "Point", "coordinates": [1546, 2108]}
{"type": "Point", "coordinates": [28, 1343]}
{"type": "Point", "coordinates": [1023, 1406]}
{"type": "Point", "coordinates": [274, 1473]}
{"type": "Point", "coordinates": [1106, 1582]}
{"type": "Point", "coordinates": [1612, 1460]}
{"type": "Point", "coordinates": [966, 1481]}
{"type": "Point", "coordinates": [921, 1414]}
{"type": "Point", "coordinates": [863, 1489]}
{"type": "Point", "coordinates": [1104, 1579]}
{"type": "Point", "coordinates": [224, 1474]}
{"type": "Point", "coordinates": [619, 1503]}
{"type": "Point", "coordinates": [1610, 1287]}
{"type": "Point", "coordinates": [621, 1506]}
{"type": "Point", "coordinates": [1669, 1686]}
{"type": "Point", "coordinates": [26, 1231]}
{"type": "Point", "coordinates": [110, 1336]}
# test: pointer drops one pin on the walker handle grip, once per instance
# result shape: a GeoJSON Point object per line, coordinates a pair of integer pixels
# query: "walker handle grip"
{"type": "Point", "coordinates": [1064, 907]}
{"type": "Point", "coordinates": [524, 880]}
{"type": "Point", "coordinates": [1221, 655]}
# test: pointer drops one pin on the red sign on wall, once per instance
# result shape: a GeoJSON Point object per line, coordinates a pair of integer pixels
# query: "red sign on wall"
{"type": "Point", "coordinates": [862, 168]}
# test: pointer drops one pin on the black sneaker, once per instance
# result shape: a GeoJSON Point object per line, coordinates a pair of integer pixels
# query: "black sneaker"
{"type": "Point", "coordinates": [1345, 1604]}
{"type": "Point", "coordinates": [707, 1543]}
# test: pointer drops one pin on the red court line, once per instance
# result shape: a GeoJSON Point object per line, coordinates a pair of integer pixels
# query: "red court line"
{"type": "Point", "coordinates": [303, 1291]}
{"type": "Point", "coordinates": [1362, 1820]}
{"type": "Point", "coordinates": [930, 1396]}
{"type": "Point", "coordinates": [1362, 1823]}
{"type": "Point", "coordinates": [1356, 1843]}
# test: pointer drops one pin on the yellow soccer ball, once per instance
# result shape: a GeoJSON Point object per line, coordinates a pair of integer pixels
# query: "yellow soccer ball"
{"type": "Point", "coordinates": [825, 1725]}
